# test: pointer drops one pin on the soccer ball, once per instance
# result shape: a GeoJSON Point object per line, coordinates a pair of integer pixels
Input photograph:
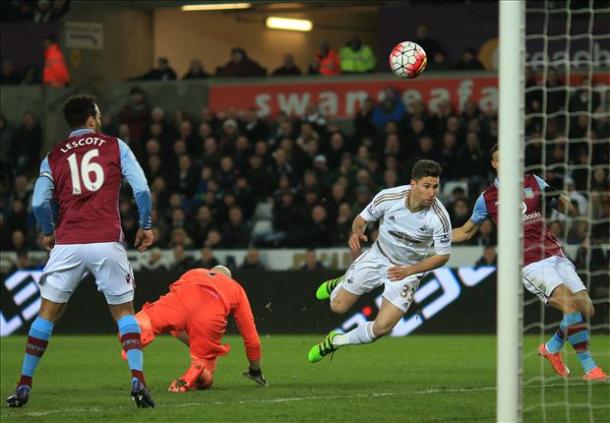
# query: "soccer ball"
{"type": "Point", "coordinates": [408, 59]}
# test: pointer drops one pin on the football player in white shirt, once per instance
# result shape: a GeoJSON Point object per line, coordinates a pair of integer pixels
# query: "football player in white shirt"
{"type": "Point", "coordinates": [414, 238]}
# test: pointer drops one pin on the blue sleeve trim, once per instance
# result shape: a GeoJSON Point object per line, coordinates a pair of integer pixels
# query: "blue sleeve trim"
{"type": "Point", "coordinates": [42, 204]}
{"type": "Point", "coordinates": [45, 169]}
{"type": "Point", "coordinates": [541, 182]}
{"type": "Point", "coordinates": [133, 173]}
{"type": "Point", "coordinates": [479, 214]}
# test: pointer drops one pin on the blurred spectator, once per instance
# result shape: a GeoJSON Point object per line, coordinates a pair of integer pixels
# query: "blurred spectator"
{"type": "Point", "coordinates": [236, 233]}
{"type": "Point", "coordinates": [316, 233]}
{"type": "Point", "coordinates": [163, 72]}
{"type": "Point", "coordinates": [195, 71]}
{"type": "Point", "coordinates": [188, 176]}
{"type": "Point", "coordinates": [181, 262]}
{"type": "Point", "coordinates": [207, 260]}
{"type": "Point", "coordinates": [288, 67]}
{"type": "Point", "coordinates": [55, 71]}
{"type": "Point", "coordinates": [240, 65]}
{"type": "Point", "coordinates": [154, 259]}
{"type": "Point", "coordinates": [326, 61]}
{"type": "Point", "coordinates": [136, 114]}
{"type": "Point", "coordinates": [489, 257]}
{"type": "Point", "coordinates": [469, 61]}
{"type": "Point", "coordinates": [459, 212]}
{"type": "Point", "coordinates": [43, 11]}
{"type": "Point", "coordinates": [9, 75]}
{"type": "Point", "coordinates": [356, 57]}
{"type": "Point", "coordinates": [430, 45]}
{"type": "Point", "coordinates": [26, 144]}
{"type": "Point", "coordinates": [312, 263]}
{"type": "Point", "coordinates": [31, 75]}
{"type": "Point", "coordinates": [343, 225]}
{"type": "Point", "coordinates": [252, 260]}
{"type": "Point", "coordinates": [59, 8]}
{"type": "Point", "coordinates": [390, 108]}
{"type": "Point", "coordinates": [486, 235]}
{"type": "Point", "coordinates": [555, 92]}
{"type": "Point", "coordinates": [6, 140]}
{"type": "Point", "coordinates": [439, 62]}
{"type": "Point", "coordinates": [363, 122]}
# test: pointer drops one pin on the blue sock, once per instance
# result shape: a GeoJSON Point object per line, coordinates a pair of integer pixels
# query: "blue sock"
{"type": "Point", "coordinates": [555, 344]}
{"type": "Point", "coordinates": [38, 339]}
{"type": "Point", "coordinates": [578, 335]}
{"type": "Point", "coordinates": [129, 331]}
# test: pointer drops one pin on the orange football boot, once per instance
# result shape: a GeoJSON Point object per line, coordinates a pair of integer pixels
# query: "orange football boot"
{"type": "Point", "coordinates": [555, 360]}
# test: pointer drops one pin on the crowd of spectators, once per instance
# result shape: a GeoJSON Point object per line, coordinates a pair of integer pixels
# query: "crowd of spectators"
{"type": "Point", "coordinates": [209, 172]}
{"type": "Point", "coordinates": [38, 11]}
{"type": "Point", "coordinates": [355, 57]}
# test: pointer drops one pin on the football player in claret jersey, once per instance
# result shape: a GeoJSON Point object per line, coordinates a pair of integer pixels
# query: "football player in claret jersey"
{"type": "Point", "coordinates": [414, 238]}
{"type": "Point", "coordinates": [547, 272]}
{"type": "Point", "coordinates": [82, 176]}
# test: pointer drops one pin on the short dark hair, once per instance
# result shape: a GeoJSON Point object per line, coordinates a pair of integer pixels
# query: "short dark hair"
{"type": "Point", "coordinates": [78, 109]}
{"type": "Point", "coordinates": [493, 150]}
{"type": "Point", "coordinates": [423, 168]}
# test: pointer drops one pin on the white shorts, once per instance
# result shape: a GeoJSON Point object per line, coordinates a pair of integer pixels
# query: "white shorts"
{"type": "Point", "coordinates": [69, 264]}
{"type": "Point", "coordinates": [370, 270]}
{"type": "Point", "coordinates": [542, 277]}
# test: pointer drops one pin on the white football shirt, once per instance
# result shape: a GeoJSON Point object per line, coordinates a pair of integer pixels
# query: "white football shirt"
{"type": "Point", "coordinates": [406, 237]}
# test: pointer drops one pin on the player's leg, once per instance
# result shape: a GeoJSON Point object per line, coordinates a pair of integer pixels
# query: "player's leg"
{"type": "Point", "coordinates": [578, 332]}
{"type": "Point", "coordinates": [60, 278]}
{"type": "Point", "coordinates": [113, 275]}
{"type": "Point", "coordinates": [542, 279]}
{"type": "Point", "coordinates": [325, 290]}
{"type": "Point", "coordinates": [204, 329]}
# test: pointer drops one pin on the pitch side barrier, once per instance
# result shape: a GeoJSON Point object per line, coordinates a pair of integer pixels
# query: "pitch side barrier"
{"type": "Point", "coordinates": [457, 300]}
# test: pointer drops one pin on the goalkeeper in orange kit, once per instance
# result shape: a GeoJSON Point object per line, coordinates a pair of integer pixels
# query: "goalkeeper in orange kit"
{"type": "Point", "coordinates": [195, 310]}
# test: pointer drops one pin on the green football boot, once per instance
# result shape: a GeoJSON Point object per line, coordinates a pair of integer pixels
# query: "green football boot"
{"type": "Point", "coordinates": [324, 290]}
{"type": "Point", "coordinates": [324, 348]}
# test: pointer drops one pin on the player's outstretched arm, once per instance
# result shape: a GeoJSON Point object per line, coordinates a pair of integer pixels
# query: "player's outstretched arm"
{"type": "Point", "coordinates": [464, 232]}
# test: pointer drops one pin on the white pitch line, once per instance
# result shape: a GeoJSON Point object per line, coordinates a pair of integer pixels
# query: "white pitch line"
{"type": "Point", "coordinates": [431, 391]}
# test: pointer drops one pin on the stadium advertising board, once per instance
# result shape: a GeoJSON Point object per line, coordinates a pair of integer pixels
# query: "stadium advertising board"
{"type": "Point", "coordinates": [343, 98]}
{"type": "Point", "coordinates": [283, 302]}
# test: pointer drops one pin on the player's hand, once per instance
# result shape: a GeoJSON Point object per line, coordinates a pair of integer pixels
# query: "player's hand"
{"type": "Point", "coordinates": [48, 241]}
{"type": "Point", "coordinates": [397, 273]}
{"type": "Point", "coordinates": [256, 375]}
{"type": "Point", "coordinates": [144, 239]}
{"type": "Point", "coordinates": [180, 385]}
{"type": "Point", "coordinates": [354, 240]}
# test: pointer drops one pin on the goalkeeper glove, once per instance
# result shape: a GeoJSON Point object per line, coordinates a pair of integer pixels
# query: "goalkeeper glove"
{"type": "Point", "coordinates": [180, 385]}
{"type": "Point", "coordinates": [256, 375]}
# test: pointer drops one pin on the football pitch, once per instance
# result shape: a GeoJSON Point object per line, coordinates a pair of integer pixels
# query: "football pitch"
{"type": "Point", "coordinates": [411, 379]}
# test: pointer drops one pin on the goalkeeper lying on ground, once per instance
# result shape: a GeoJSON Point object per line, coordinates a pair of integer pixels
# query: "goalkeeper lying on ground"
{"type": "Point", "coordinates": [195, 310]}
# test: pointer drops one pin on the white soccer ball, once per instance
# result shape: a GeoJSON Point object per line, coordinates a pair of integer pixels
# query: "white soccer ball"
{"type": "Point", "coordinates": [408, 59]}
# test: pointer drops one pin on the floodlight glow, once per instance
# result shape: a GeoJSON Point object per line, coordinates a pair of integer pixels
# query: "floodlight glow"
{"type": "Point", "coordinates": [288, 24]}
{"type": "Point", "coordinates": [214, 6]}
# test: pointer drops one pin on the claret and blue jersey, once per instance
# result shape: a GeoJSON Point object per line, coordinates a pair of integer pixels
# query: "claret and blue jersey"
{"type": "Point", "coordinates": [539, 243]}
{"type": "Point", "coordinates": [82, 176]}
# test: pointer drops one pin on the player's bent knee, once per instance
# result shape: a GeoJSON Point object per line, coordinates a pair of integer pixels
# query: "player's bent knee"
{"type": "Point", "coordinates": [338, 307]}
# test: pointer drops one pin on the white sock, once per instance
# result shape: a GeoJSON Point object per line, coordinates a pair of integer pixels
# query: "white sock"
{"type": "Point", "coordinates": [362, 334]}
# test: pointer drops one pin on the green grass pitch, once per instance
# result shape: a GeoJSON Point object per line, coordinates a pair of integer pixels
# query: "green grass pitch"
{"type": "Point", "coordinates": [411, 379]}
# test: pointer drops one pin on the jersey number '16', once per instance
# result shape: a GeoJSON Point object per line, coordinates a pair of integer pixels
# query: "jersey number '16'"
{"type": "Point", "coordinates": [83, 172]}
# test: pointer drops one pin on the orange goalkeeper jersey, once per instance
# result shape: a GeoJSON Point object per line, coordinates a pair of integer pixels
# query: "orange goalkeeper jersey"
{"type": "Point", "coordinates": [235, 300]}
